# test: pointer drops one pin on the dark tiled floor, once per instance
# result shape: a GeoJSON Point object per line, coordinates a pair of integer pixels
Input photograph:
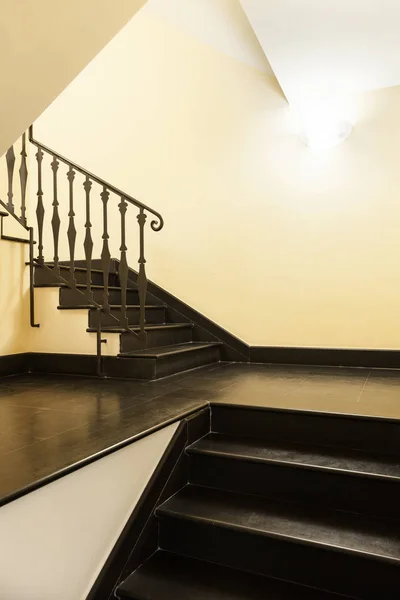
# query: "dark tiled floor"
{"type": "Point", "coordinates": [48, 423]}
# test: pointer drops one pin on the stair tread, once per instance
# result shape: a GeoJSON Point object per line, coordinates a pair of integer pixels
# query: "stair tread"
{"type": "Point", "coordinates": [118, 329]}
{"type": "Point", "coordinates": [167, 576]}
{"type": "Point", "coordinates": [161, 351]}
{"type": "Point", "coordinates": [319, 457]}
{"type": "Point", "coordinates": [90, 306]}
{"type": "Point", "coordinates": [14, 238]}
{"type": "Point", "coordinates": [350, 532]}
{"type": "Point", "coordinates": [81, 269]}
{"type": "Point", "coordinates": [82, 286]}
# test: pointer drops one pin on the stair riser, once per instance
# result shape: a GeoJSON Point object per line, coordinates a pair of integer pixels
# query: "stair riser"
{"type": "Point", "coordinates": [69, 297]}
{"type": "Point", "coordinates": [153, 368]}
{"type": "Point", "coordinates": [157, 337]}
{"type": "Point", "coordinates": [46, 277]}
{"type": "Point", "coordinates": [153, 315]}
{"type": "Point", "coordinates": [187, 360]}
{"type": "Point", "coordinates": [320, 567]}
{"type": "Point", "coordinates": [322, 488]}
{"type": "Point", "coordinates": [369, 434]}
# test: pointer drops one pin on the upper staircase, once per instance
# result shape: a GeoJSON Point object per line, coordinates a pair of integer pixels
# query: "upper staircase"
{"type": "Point", "coordinates": [171, 345]}
{"type": "Point", "coordinates": [78, 216]}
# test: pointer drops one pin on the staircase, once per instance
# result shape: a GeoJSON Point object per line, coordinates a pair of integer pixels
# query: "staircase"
{"type": "Point", "coordinates": [170, 346]}
{"type": "Point", "coordinates": [280, 505]}
{"type": "Point", "coordinates": [78, 214]}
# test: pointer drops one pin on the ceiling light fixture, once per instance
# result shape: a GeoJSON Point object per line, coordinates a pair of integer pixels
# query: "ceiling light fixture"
{"type": "Point", "coordinates": [321, 127]}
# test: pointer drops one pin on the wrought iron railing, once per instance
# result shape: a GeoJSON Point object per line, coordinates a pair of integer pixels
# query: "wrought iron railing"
{"type": "Point", "coordinates": [16, 205]}
{"type": "Point", "coordinates": [53, 249]}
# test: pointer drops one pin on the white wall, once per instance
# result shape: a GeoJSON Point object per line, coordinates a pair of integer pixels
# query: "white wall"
{"type": "Point", "coordinates": [43, 46]}
{"type": "Point", "coordinates": [54, 541]}
{"type": "Point", "coordinates": [278, 244]}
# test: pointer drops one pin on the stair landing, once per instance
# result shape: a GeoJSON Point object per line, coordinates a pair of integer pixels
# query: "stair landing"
{"type": "Point", "coordinates": [52, 424]}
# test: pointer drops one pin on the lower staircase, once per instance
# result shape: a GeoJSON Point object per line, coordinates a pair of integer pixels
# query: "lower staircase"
{"type": "Point", "coordinates": [280, 505]}
{"type": "Point", "coordinates": [172, 344]}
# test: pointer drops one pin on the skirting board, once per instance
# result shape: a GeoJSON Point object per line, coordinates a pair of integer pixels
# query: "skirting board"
{"type": "Point", "coordinates": [85, 364]}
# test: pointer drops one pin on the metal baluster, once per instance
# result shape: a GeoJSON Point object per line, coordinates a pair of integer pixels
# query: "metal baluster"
{"type": "Point", "coordinates": [23, 177]}
{"type": "Point", "coordinates": [142, 279]}
{"type": "Point", "coordinates": [31, 280]}
{"type": "Point", "coordinates": [55, 221]}
{"type": "Point", "coordinates": [123, 265]}
{"type": "Point", "coordinates": [40, 207]}
{"type": "Point", "coordinates": [105, 253]}
{"type": "Point", "coordinates": [71, 233]}
{"type": "Point", "coordinates": [88, 243]}
{"type": "Point", "coordinates": [10, 159]}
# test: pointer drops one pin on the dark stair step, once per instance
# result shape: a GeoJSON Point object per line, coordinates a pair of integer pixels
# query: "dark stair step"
{"type": "Point", "coordinates": [358, 432]}
{"type": "Point", "coordinates": [154, 314]}
{"type": "Point", "coordinates": [153, 363]}
{"type": "Point", "coordinates": [69, 297]}
{"type": "Point", "coordinates": [46, 276]}
{"type": "Point", "coordinates": [13, 238]}
{"type": "Point", "coordinates": [167, 576]}
{"type": "Point", "coordinates": [333, 477]}
{"type": "Point", "coordinates": [337, 551]}
{"type": "Point", "coordinates": [157, 335]}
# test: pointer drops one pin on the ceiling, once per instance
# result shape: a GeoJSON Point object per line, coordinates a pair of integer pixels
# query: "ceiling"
{"type": "Point", "coordinates": [323, 47]}
{"type": "Point", "coordinates": [315, 48]}
{"type": "Point", "coordinates": [221, 24]}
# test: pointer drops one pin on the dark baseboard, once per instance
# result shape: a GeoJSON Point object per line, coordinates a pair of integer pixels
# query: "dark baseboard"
{"type": "Point", "coordinates": [14, 364]}
{"type": "Point", "coordinates": [86, 364]}
{"type": "Point", "coordinates": [63, 364]}
{"type": "Point", "coordinates": [139, 537]}
{"type": "Point", "coordinates": [330, 357]}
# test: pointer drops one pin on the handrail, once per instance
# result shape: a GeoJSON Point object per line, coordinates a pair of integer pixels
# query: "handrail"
{"type": "Point", "coordinates": [12, 214]}
{"type": "Point", "coordinates": [156, 226]}
{"type": "Point", "coordinates": [99, 301]}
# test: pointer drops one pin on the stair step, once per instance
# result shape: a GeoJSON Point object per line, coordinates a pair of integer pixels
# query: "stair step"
{"type": "Point", "coordinates": [164, 351]}
{"type": "Point", "coordinates": [154, 327]}
{"type": "Point", "coordinates": [285, 453]}
{"type": "Point", "coordinates": [80, 269]}
{"type": "Point", "coordinates": [13, 238]}
{"type": "Point", "coordinates": [337, 551]}
{"type": "Point", "coordinates": [49, 277]}
{"type": "Point", "coordinates": [336, 478]}
{"type": "Point", "coordinates": [82, 286]}
{"type": "Point", "coordinates": [346, 531]}
{"type": "Point", "coordinates": [157, 362]}
{"type": "Point", "coordinates": [116, 306]}
{"type": "Point", "coordinates": [355, 432]}
{"type": "Point", "coordinates": [167, 576]}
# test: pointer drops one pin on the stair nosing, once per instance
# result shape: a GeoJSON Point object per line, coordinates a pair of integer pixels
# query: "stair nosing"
{"type": "Point", "coordinates": [80, 269]}
{"type": "Point", "coordinates": [181, 349]}
{"type": "Point", "coordinates": [150, 327]}
{"type": "Point", "coordinates": [286, 463]}
{"type": "Point", "coordinates": [91, 307]}
{"type": "Point", "coordinates": [61, 284]}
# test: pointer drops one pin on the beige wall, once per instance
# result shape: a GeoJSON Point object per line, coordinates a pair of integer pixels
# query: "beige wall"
{"type": "Point", "coordinates": [279, 245]}
{"type": "Point", "coordinates": [43, 46]}
{"type": "Point", "coordinates": [14, 298]}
